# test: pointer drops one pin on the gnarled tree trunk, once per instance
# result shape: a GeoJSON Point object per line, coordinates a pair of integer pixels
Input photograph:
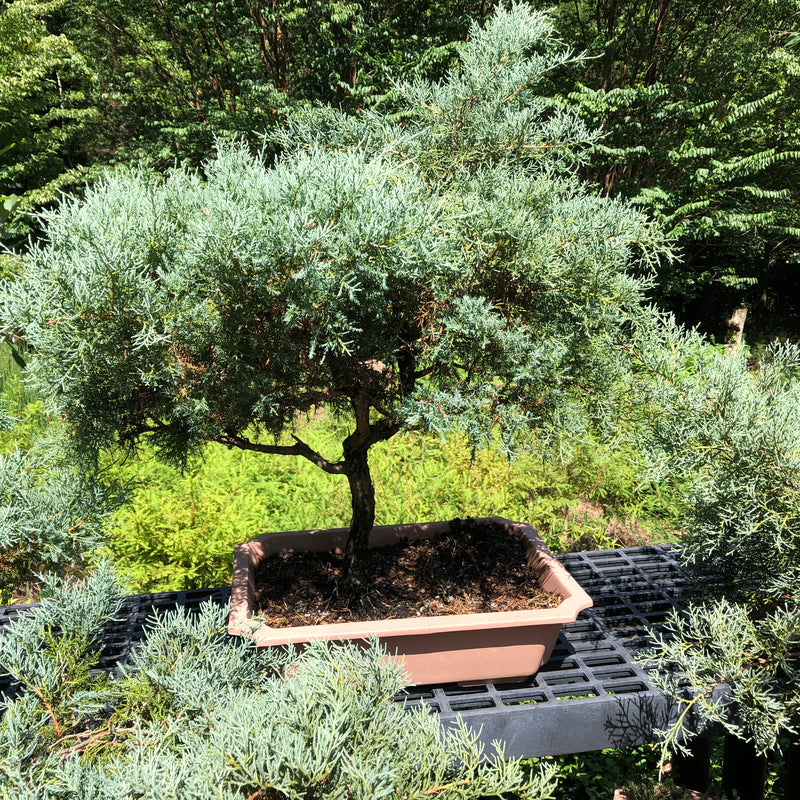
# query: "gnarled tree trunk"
{"type": "Point", "coordinates": [362, 494]}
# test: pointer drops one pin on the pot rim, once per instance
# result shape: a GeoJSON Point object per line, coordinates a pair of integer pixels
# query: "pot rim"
{"type": "Point", "coordinates": [552, 576]}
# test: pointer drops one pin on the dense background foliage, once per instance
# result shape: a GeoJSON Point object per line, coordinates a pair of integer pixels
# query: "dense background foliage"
{"type": "Point", "coordinates": [697, 103]}
{"type": "Point", "coordinates": [696, 109]}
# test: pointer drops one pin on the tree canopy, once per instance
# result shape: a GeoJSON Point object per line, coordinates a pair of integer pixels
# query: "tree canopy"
{"type": "Point", "coordinates": [449, 272]}
{"type": "Point", "coordinates": [696, 103]}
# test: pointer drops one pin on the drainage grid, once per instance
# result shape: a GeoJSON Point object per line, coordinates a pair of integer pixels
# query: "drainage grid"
{"type": "Point", "coordinates": [590, 695]}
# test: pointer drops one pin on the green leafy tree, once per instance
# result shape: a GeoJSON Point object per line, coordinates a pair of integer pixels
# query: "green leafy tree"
{"type": "Point", "coordinates": [84, 85]}
{"type": "Point", "coordinates": [197, 714]}
{"type": "Point", "coordinates": [698, 106]}
{"type": "Point", "coordinates": [8, 206]}
{"type": "Point", "coordinates": [46, 118]}
{"type": "Point", "coordinates": [349, 54]}
{"type": "Point", "coordinates": [171, 76]}
{"type": "Point", "coordinates": [447, 273]}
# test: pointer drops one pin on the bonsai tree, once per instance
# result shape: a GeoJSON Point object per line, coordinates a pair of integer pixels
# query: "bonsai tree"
{"type": "Point", "coordinates": [443, 272]}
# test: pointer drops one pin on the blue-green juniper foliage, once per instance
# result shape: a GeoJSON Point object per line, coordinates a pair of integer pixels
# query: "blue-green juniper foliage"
{"type": "Point", "coordinates": [197, 714]}
{"type": "Point", "coordinates": [730, 433]}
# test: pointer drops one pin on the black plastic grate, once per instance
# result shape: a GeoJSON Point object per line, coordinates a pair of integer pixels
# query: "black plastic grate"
{"type": "Point", "coordinates": [590, 695]}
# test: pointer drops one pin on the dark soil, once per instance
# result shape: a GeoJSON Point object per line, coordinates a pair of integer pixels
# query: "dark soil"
{"type": "Point", "coordinates": [471, 569]}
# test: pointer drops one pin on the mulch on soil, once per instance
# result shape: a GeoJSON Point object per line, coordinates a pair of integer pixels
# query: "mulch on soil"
{"type": "Point", "coordinates": [471, 569]}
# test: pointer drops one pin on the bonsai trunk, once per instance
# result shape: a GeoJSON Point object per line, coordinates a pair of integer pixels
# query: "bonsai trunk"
{"type": "Point", "coordinates": [362, 496]}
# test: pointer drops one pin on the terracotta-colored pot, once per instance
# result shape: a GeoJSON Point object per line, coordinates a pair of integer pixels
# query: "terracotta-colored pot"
{"type": "Point", "coordinates": [467, 648]}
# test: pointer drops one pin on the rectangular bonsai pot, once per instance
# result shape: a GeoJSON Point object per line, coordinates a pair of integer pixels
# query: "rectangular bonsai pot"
{"type": "Point", "coordinates": [467, 648]}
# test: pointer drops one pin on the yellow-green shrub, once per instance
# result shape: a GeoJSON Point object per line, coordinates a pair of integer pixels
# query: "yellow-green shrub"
{"type": "Point", "coordinates": [180, 528]}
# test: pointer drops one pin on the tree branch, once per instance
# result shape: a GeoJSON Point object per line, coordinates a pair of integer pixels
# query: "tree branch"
{"type": "Point", "coordinates": [299, 448]}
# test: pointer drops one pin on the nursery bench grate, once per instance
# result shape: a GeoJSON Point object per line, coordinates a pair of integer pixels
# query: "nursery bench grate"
{"type": "Point", "coordinates": [590, 695]}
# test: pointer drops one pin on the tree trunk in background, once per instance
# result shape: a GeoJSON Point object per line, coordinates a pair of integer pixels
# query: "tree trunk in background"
{"type": "Point", "coordinates": [733, 340]}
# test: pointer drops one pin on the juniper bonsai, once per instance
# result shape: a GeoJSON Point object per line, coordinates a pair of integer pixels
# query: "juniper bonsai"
{"type": "Point", "coordinates": [443, 272]}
